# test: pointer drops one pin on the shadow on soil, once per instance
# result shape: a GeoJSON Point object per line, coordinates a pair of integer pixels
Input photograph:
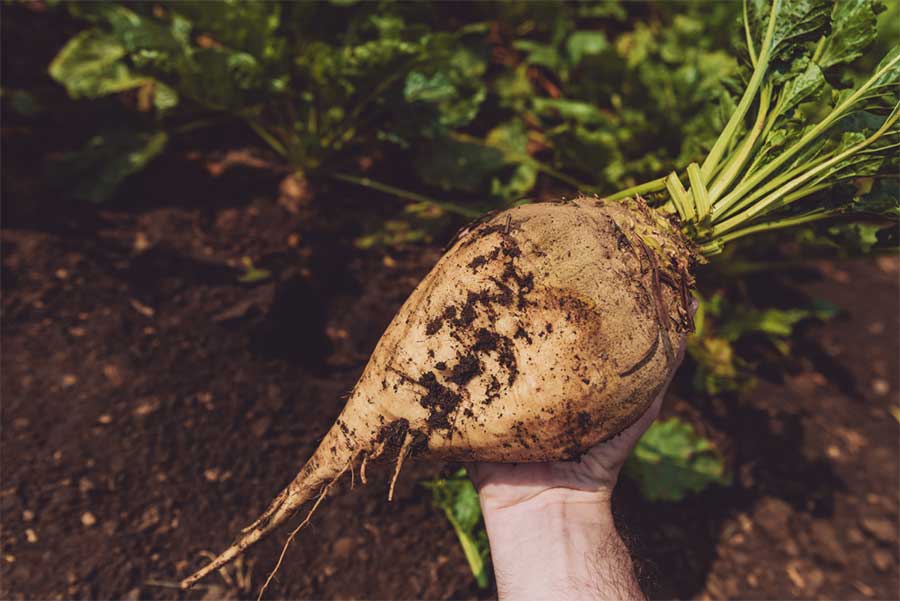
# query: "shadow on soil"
{"type": "Point", "coordinates": [675, 543]}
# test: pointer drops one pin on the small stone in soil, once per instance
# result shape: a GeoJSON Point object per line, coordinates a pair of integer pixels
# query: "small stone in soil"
{"type": "Point", "coordinates": [883, 530]}
{"type": "Point", "coordinates": [260, 426]}
{"type": "Point", "coordinates": [773, 516]}
{"type": "Point", "coordinates": [790, 548]}
{"type": "Point", "coordinates": [882, 560]}
{"type": "Point", "coordinates": [88, 519]}
{"type": "Point", "coordinates": [880, 386]}
{"type": "Point", "coordinates": [146, 407]}
{"type": "Point", "coordinates": [806, 577]}
{"type": "Point", "coordinates": [342, 547]}
{"type": "Point", "coordinates": [826, 541]}
{"type": "Point", "coordinates": [864, 588]}
{"type": "Point", "coordinates": [149, 518]}
{"type": "Point", "coordinates": [133, 595]}
{"type": "Point", "coordinates": [875, 328]}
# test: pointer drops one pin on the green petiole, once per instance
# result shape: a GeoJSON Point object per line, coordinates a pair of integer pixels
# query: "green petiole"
{"type": "Point", "coordinates": [769, 169]}
{"type": "Point", "coordinates": [721, 145]}
{"type": "Point", "coordinates": [809, 174]}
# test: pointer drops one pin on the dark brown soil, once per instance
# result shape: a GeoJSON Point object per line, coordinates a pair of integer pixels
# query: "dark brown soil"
{"type": "Point", "coordinates": [442, 401]}
{"type": "Point", "coordinates": [140, 430]}
{"type": "Point", "coordinates": [468, 367]}
{"type": "Point", "coordinates": [439, 400]}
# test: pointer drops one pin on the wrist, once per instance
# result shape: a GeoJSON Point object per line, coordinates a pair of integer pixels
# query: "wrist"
{"type": "Point", "coordinates": [554, 545]}
{"type": "Point", "coordinates": [558, 499]}
{"type": "Point", "coordinates": [558, 544]}
{"type": "Point", "coordinates": [555, 516]}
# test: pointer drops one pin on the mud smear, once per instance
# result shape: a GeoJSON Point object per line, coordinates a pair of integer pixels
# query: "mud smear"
{"type": "Point", "coordinates": [509, 290]}
{"type": "Point", "coordinates": [468, 367]}
{"type": "Point", "coordinates": [487, 341]}
{"type": "Point", "coordinates": [393, 434]}
{"type": "Point", "coordinates": [434, 326]}
{"type": "Point", "coordinates": [440, 401]}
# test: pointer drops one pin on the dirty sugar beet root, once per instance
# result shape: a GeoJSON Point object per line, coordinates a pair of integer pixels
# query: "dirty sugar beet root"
{"type": "Point", "coordinates": [550, 327]}
{"type": "Point", "coordinates": [540, 333]}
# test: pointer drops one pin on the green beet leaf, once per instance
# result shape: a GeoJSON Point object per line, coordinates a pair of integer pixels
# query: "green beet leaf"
{"type": "Point", "coordinates": [457, 497]}
{"type": "Point", "coordinates": [671, 461]}
{"type": "Point", "coordinates": [853, 29]}
{"type": "Point", "coordinates": [95, 171]}
{"type": "Point", "coordinates": [91, 65]}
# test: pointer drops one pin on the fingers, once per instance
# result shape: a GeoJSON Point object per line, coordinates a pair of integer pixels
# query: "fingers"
{"type": "Point", "coordinates": [637, 429]}
{"type": "Point", "coordinates": [649, 416]}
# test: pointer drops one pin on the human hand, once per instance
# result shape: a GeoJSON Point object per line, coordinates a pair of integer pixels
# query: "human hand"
{"type": "Point", "coordinates": [592, 479]}
{"type": "Point", "coordinates": [550, 525]}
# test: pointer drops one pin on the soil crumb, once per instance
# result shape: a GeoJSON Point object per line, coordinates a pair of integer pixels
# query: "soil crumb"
{"type": "Point", "coordinates": [439, 400]}
{"type": "Point", "coordinates": [468, 367]}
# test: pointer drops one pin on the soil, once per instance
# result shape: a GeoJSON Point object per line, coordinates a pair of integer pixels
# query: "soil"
{"type": "Point", "coordinates": [153, 403]}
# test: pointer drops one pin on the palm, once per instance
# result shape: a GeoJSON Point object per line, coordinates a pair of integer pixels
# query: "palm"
{"type": "Point", "coordinates": [507, 484]}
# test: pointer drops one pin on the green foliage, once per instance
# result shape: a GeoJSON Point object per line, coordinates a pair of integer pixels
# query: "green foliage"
{"type": "Point", "coordinates": [718, 366]}
{"type": "Point", "coordinates": [809, 139]}
{"type": "Point", "coordinates": [656, 105]}
{"type": "Point", "coordinates": [95, 171]}
{"type": "Point", "coordinates": [498, 164]}
{"type": "Point", "coordinates": [168, 49]}
{"type": "Point", "coordinates": [418, 224]}
{"type": "Point", "coordinates": [323, 82]}
{"type": "Point", "coordinates": [91, 65]}
{"type": "Point", "coordinates": [313, 80]}
{"type": "Point", "coordinates": [798, 21]}
{"type": "Point", "coordinates": [853, 29]}
{"type": "Point", "coordinates": [671, 461]}
{"type": "Point", "coordinates": [252, 274]}
{"type": "Point", "coordinates": [457, 497]}
{"type": "Point", "coordinates": [875, 198]}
